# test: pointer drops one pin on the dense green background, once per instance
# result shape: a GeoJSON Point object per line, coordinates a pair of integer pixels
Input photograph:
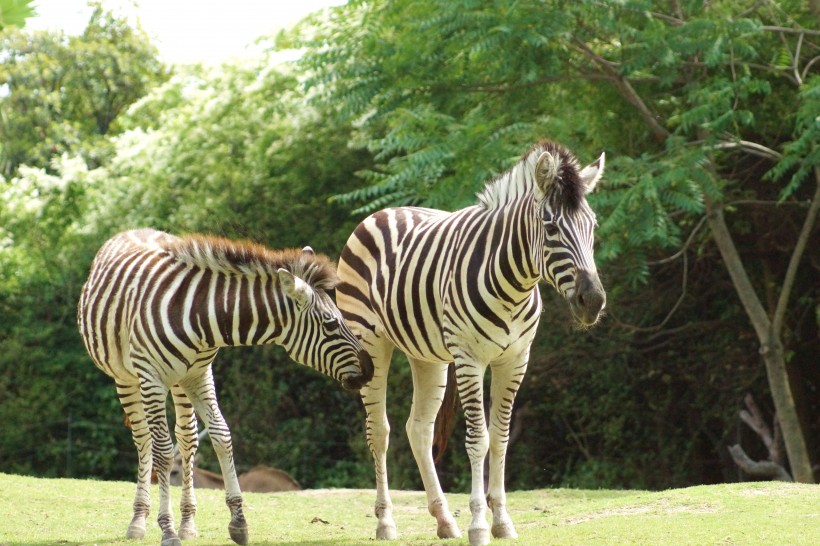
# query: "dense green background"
{"type": "Point", "coordinates": [421, 102]}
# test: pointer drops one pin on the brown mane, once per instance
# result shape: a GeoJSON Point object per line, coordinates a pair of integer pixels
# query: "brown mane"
{"type": "Point", "coordinates": [247, 257]}
{"type": "Point", "coordinates": [567, 191]}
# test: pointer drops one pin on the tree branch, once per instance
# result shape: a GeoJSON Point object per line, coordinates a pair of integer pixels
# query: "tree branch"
{"type": "Point", "coordinates": [626, 89]}
{"type": "Point", "coordinates": [764, 469]}
{"type": "Point", "coordinates": [754, 419]}
{"type": "Point", "coordinates": [797, 255]}
{"type": "Point", "coordinates": [737, 271]}
{"type": "Point", "coordinates": [750, 147]}
{"type": "Point", "coordinates": [787, 30]}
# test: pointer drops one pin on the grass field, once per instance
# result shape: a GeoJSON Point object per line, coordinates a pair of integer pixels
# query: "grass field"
{"type": "Point", "coordinates": [62, 511]}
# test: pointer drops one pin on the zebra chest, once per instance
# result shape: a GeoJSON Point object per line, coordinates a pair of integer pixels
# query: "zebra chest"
{"type": "Point", "coordinates": [490, 331]}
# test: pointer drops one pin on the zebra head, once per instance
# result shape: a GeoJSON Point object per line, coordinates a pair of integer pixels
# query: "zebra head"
{"type": "Point", "coordinates": [564, 230]}
{"type": "Point", "coordinates": [318, 336]}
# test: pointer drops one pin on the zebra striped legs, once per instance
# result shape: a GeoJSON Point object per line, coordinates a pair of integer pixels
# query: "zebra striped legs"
{"type": "Point", "coordinates": [374, 396]}
{"type": "Point", "coordinates": [154, 395]}
{"type": "Point", "coordinates": [506, 378]}
{"type": "Point", "coordinates": [200, 391]}
{"type": "Point", "coordinates": [187, 443]}
{"type": "Point", "coordinates": [469, 375]}
{"type": "Point", "coordinates": [131, 401]}
{"type": "Point", "coordinates": [429, 383]}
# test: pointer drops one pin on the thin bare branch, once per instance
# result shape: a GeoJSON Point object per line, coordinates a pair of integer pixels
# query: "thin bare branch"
{"type": "Point", "coordinates": [787, 30]}
{"type": "Point", "coordinates": [808, 66]}
{"type": "Point", "coordinates": [678, 302]}
{"type": "Point", "coordinates": [754, 418]}
{"type": "Point", "coordinates": [685, 246]}
{"type": "Point", "coordinates": [797, 255]}
{"type": "Point", "coordinates": [764, 469]}
{"type": "Point", "coordinates": [796, 60]}
{"type": "Point", "coordinates": [751, 147]}
{"type": "Point", "coordinates": [626, 89]}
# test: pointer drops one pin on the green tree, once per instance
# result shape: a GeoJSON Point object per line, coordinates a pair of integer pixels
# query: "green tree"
{"type": "Point", "coordinates": [678, 93]}
{"type": "Point", "coordinates": [63, 94]}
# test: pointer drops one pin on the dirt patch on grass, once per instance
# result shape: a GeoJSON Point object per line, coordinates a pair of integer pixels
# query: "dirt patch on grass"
{"type": "Point", "coordinates": [662, 507]}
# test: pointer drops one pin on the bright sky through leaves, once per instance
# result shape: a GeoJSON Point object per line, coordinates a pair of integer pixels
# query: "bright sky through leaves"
{"type": "Point", "coordinates": [187, 31]}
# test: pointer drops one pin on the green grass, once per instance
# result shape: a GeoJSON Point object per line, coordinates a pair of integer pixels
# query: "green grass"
{"type": "Point", "coordinates": [63, 511]}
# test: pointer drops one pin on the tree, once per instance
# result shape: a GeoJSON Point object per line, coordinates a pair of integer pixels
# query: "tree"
{"type": "Point", "coordinates": [64, 93]}
{"type": "Point", "coordinates": [678, 93]}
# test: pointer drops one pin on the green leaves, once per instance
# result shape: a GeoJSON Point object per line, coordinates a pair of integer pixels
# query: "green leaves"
{"type": "Point", "coordinates": [64, 94]}
{"type": "Point", "coordinates": [15, 12]}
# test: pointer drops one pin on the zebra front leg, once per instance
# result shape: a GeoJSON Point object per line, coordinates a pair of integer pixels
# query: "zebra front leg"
{"type": "Point", "coordinates": [154, 394]}
{"type": "Point", "coordinates": [202, 394]}
{"type": "Point", "coordinates": [429, 383]}
{"type": "Point", "coordinates": [377, 427]}
{"type": "Point", "coordinates": [506, 378]}
{"type": "Point", "coordinates": [469, 375]}
{"type": "Point", "coordinates": [131, 401]}
{"type": "Point", "coordinates": [187, 443]}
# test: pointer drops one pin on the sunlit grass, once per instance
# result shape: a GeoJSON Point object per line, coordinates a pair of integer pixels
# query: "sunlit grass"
{"type": "Point", "coordinates": [63, 511]}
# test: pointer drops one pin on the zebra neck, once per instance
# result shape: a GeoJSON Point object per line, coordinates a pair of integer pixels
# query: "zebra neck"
{"type": "Point", "coordinates": [511, 251]}
{"type": "Point", "coordinates": [240, 310]}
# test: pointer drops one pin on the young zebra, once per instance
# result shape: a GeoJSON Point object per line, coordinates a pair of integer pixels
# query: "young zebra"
{"type": "Point", "coordinates": [462, 287]}
{"type": "Point", "coordinates": [153, 314]}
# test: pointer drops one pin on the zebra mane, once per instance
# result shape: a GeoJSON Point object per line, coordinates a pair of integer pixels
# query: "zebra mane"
{"type": "Point", "coordinates": [248, 258]}
{"type": "Point", "coordinates": [519, 181]}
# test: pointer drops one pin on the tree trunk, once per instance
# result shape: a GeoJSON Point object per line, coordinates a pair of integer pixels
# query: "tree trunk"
{"type": "Point", "coordinates": [771, 348]}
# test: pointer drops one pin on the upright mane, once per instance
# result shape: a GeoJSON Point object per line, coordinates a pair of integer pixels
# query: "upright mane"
{"type": "Point", "coordinates": [519, 181]}
{"type": "Point", "coordinates": [248, 258]}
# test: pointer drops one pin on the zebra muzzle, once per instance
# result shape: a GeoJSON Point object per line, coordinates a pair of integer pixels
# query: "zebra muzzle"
{"type": "Point", "coordinates": [589, 298]}
{"type": "Point", "coordinates": [354, 382]}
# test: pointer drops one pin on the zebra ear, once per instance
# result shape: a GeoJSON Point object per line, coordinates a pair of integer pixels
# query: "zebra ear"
{"type": "Point", "coordinates": [308, 250]}
{"type": "Point", "coordinates": [592, 173]}
{"type": "Point", "coordinates": [546, 169]}
{"type": "Point", "coordinates": [294, 287]}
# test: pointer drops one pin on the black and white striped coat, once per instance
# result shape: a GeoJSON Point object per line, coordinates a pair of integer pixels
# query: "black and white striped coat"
{"type": "Point", "coordinates": [154, 312]}
{"type": "Point", "coordinates": [462, 287]}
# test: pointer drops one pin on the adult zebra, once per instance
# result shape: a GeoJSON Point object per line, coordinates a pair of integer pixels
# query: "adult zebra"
{"type": "Point", "coordinates": [153, 314]}
{"type": "Point", "coordinates": [461, 287]}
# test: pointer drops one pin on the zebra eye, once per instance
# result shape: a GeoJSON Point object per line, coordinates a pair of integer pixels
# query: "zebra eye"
{"type": "Point", "coordinates": [552, 229]}
{"type": "Point", "coordinates": [331, 325]}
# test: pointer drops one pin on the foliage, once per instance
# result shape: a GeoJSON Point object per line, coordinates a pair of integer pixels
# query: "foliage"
{"type": "Point", "coordinates": [693, 102]}
{"type": "Point", "coordinates": [421, 103]}
{"type": "Point", "coordinates": [64, 94]}
{"type": "Point", "coordinates": [15, 12]}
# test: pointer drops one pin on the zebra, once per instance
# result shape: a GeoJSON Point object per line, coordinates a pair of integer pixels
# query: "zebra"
{"type": "Point", "coordinates": [153, 314]}
{"type": "Point", "coordinates": [461, 288]}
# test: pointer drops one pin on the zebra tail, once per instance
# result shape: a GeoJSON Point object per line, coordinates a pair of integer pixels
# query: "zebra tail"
{"type": "Point", "coordinates": [445, 420]}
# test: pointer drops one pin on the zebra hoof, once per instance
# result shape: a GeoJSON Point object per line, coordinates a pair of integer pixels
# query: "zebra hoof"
{"type": "Point", "coordinates": [187, 531]}
{"type": "Point", "coordinates": [171, 540]}
{"type": "Point", "coordinates": [239, 532]}
{"type": "Point", "coordinates": [479, 537]}
{"type": "Point", "coordinates": [504, 530]}
{"type": "Point", "coordinates": [448, 529]}
{"type": "Point", "coordinates": [387, 531]}
{"type": "Point", "coordinates": [135, 531]}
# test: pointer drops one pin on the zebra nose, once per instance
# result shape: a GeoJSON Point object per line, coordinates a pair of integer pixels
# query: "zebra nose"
{"type": "Point", "coordinates": [356, 381]}
{"type": "Point", "coordinates": [590, 297]}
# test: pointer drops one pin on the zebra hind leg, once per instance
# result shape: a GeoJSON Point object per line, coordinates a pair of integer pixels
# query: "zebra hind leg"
{"type": "Point", "coordinates": [154, 394]}
{"type": "Point", "coordinates": [187, 443]}
{"type": "Point", "coordinates": [202, 394]}
{"type": "Point", "coordinates": [429, 383]}
{"type": "Point", "coordinates": [131, 401]}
